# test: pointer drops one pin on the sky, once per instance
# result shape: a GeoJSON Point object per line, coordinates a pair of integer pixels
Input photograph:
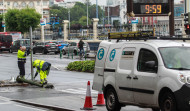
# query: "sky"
{"type": "Point", "coordinates": [103, 2]}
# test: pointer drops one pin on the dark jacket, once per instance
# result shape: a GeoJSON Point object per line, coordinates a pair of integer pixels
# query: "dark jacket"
{"type": "Point", "coordinates": [81, 43]}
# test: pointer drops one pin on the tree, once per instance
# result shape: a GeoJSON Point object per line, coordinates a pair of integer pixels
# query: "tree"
{"type": "Point", "coordinates": [21, 20]}
{"type": "Point", "coordinates": [61, 12]}
{"type": "Point", "coordinates": [83, 21]}
{"type": "Point", "coordinates": [77, 12]}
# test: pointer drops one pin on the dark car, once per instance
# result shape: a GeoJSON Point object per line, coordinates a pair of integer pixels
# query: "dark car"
{"type": "Point", "coordinates": [45, 47]}
{"type": "Point", "coordinates": [5, 42]}
{"type": "Point", "coordinates": [21, 42]}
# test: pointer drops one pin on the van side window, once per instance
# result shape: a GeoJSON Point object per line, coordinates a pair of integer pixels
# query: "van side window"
{"type": "Point", "coordinates": [127, 57]}
{"type": "Point", "coordinates": [146, 56]}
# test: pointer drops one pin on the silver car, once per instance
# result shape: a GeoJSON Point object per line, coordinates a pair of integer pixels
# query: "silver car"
{"type": "Point", "coordinates": [72, 47]}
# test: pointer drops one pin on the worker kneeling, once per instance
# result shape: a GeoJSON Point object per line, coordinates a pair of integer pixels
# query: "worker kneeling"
{"type": "Point", "coordinates": [43, 68]}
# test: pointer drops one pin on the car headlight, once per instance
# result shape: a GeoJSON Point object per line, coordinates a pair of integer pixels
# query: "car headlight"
{"type": "Point", "coordinates": [184, 79]}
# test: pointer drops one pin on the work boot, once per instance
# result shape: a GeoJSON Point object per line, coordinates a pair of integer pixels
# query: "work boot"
{"type": "Point", "coordinates": [41, 81]}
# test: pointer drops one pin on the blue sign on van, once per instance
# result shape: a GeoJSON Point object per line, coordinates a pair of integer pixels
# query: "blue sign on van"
{"type": "Point", "coordinates": [112, 55]}
{"type": "Point", "coordinates": [100, 54]}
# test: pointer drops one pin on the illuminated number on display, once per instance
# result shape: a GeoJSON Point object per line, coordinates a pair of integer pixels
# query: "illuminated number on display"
{"type": "Point", "coordinates": [147, 8]}
{"type": "Point", "coordinates": [154, 9]}
{"type": "Point", "coordinates": [159, 7]}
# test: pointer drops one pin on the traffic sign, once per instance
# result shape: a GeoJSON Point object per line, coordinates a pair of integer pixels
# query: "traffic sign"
{"type": "Point", "coordinates": [135, 21]}
{"type": "Point", "coordinates": [3, 24]}
{"type": "Point", "coordinates": [42, 21]}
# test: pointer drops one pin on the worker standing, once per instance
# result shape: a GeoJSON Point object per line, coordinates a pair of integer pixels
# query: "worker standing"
{"type": "Point", "coordinates": [22, 53]}
{"type": "Point", "coordinates": [43, 68]}
{"type": "Point", "coordinates": [81, 43]}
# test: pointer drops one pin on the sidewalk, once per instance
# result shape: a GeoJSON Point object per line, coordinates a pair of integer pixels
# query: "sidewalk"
{"type": "Point", "coordinates": [68, 103]}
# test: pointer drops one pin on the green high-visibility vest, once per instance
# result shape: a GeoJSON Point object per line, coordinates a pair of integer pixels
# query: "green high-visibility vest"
{"type": "Point", "coordinates": [38, 64]}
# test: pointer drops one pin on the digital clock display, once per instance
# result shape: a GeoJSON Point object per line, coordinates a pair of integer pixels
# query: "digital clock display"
{"type": "Point", "coordinates": [151, 7]}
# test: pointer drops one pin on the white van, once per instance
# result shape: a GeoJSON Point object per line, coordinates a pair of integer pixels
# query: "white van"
{"type": "Point", "coordinates": [146, 73]}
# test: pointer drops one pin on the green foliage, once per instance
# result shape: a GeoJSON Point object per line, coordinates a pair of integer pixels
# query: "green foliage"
{"type": "Point", "coordinates": [21, 20]}
{"type": "Point", "coordinates": [61, 12]}
{"type": "Point", "coordinates": [83, 21]}
{"type": "Point", "coordinates": [84, 66]}
{"type": "Point", "coordinates": [77, 12]}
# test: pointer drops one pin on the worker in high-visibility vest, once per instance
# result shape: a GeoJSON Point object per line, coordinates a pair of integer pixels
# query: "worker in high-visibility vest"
{"type": "Point", "coordinates": [43, 68]}
{"type": "Point", "coordinates": [21, 55]}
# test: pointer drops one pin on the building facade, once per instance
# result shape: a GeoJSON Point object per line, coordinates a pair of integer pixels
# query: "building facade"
{"type": "Point", "coordinates": [19, 4]}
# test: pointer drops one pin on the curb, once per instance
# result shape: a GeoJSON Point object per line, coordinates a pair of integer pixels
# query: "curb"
{"type": "Point", "coordinates": [42, 106]}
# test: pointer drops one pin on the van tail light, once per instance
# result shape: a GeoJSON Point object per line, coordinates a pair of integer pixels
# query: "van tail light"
{"type": "Point", "coordinates": [47, 45]}
{"type": "Point", "coordinates": [12, 43]}
{"type": "Point", "coordinates": [59, 45]}
{"type": "Point", "coordinates": [77, 44]}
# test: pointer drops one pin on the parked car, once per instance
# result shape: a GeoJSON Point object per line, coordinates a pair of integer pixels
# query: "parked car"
{"type": "Point", "coordinates": [5, 42]}
{"type": "Point", "coordinates": [20, 42]}
{"type": "Point", "coordinates": [45, 47]}
{"type": "Point", "coordinates": [72, 47]}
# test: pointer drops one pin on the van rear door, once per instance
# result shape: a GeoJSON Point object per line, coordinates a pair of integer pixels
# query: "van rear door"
{"type": "Point", "coordinates": [99, 66]}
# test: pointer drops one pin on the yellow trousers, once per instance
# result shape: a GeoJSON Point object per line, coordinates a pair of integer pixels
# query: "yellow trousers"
{"type": "Point", "coordinates": [43, 76]}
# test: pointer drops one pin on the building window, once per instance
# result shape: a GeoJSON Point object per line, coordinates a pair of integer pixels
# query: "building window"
{"type": "Point", "coordinates": [8, 3]}
{"type": "Point", "coordinates": [44, 3]}
{"type": "Point", "coordinates": [38, 3]}
{"type": "Point", "coordinates": [1, 3]}
{"type": "Point", "coordinates": [23, 4]}
{"type": "Point", "coordinates": [45, 12]}
{"type": "Point", "coordinates": [15, 4]}
{"type": "Point", "coordinates": [31, 4]}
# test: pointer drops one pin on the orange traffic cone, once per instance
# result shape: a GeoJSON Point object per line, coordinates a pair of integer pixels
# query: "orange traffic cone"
{"type": "Point", "coordinates": [100, 100]}
{"type": "Point", "coordinates": [88, 100]}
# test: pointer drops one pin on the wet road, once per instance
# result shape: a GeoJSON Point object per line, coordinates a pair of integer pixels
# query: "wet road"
{"type": "Point", "coordinates": [67, 84]}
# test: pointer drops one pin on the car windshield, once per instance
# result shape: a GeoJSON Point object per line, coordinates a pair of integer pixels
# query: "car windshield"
{"type": "Point", "coordinates": [25, 42]}
{"type": "Point", "coordinates": [176, 57]}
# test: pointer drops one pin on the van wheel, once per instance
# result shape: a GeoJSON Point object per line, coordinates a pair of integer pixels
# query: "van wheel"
{"type": "Point", "coordinates": [168, 102]}
{"type": "Point", "coordinates": [112, 103]}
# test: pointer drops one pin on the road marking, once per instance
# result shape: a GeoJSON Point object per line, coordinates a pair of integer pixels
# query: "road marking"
{"type": "Point", "coordinates": [81, 91]}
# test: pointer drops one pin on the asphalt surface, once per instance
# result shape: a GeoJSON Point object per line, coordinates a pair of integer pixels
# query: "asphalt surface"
{"type": "Point", "coordinates": [69, 92]}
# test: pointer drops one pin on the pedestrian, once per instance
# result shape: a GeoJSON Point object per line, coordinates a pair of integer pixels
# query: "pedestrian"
{"type": "Point", "coordinates": [22, 53]}
{"type": "Point", "coordinates": [43, 68]}
{"type": "Point", "coordinates": [81, 43]}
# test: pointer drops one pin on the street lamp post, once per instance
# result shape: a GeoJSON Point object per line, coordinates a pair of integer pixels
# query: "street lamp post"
{"type": "Point", "coordinates": [69, 20]}
{"type": "Point", "coordinates": [96, 8]}
{"type": "Point", "coordinates": [4, 15]}
{"type": "Point", "coordinates": [42, 27]}
{"type": "Point", "coordinates": [87, 14]}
